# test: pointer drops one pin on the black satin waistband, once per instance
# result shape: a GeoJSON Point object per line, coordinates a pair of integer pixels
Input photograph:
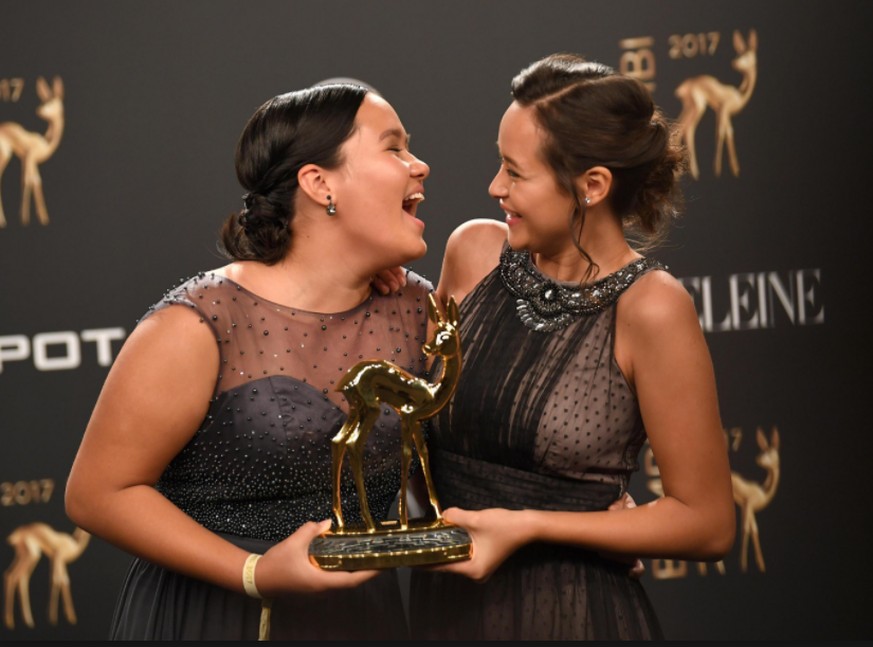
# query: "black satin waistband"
{"type": "Point", "coordinates": [474, 484]}
{"type": "Point", "coordinates": [250, 544]}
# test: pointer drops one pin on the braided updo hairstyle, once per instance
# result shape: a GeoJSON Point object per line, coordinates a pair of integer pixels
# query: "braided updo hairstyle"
{"type": "Point", "coordinates": [595, 117]}
{"type": "Point", "coordinates": [287, 132]}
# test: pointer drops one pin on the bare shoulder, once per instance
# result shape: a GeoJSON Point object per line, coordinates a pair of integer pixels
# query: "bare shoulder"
{"type": "Point", "coordinates": [175, 333]}
{"type": "Point", "coordinates": [656, 303]}
{"type": "Point", "coordinates": [478, 232]}
{"type": "Point", "coordinates": [656, 324]}
{"type": "Point", "coordinates": [472, 251]}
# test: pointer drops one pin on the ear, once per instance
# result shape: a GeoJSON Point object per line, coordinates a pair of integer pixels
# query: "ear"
{"type": "Point", "coordinates": [453, 312]}
{"type": "Point", "coordinates": [433, 312]}
{"type": "Point", "coordinates": [594, 184]}
{"type": "Point", "coordinates": [753, 40]}
{"type": "Point", "coordinates": [43, 90]}
{"type": "Point", "coordinates": [739, 43]}
{"type": "Point", "coordinates": [762, 440]}
{"type": "Point", "coordinates": [313, 181]}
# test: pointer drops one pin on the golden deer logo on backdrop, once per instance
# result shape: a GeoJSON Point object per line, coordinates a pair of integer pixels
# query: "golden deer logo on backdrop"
{"type": "Point", "coordinates": [30, 543]}
{"type": "Point", "coordinates": [752, 497]}
{"type": "Point", "coordinates": [33, 148]}
{"type": "Point", "coordinates": [701, 92]}
{"type": "Point", "coordinates": [670, 568]}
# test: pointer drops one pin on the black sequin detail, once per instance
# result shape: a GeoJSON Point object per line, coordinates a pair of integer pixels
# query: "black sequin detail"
{"type": "Point", "coordinates": [545, 305]}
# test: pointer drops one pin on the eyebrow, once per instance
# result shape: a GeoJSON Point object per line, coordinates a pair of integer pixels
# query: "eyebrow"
{"type": "Point", "coordinates": [396, 132]}
{"type": "Point", "coordinates": [504, 158]}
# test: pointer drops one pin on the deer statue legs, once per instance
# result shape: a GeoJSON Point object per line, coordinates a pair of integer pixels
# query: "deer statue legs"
{"type": "Point", "coordinates": [352, 438]}
{"type": "Point", "coordinates": [412, 434]}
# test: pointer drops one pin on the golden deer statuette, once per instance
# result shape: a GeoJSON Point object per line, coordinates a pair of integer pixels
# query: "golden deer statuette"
{"type": "Point", "coordinates": [368, 386]}
{"type": "Point", "coordinates": [372, 383]}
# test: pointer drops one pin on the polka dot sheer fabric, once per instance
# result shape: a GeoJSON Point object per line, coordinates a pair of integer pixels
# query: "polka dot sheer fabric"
{"type": "Point", "coordinates": [542, 418]}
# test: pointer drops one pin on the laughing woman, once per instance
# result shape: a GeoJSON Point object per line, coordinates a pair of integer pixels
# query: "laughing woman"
{"type": "Point", "coordinates": [207, 455]}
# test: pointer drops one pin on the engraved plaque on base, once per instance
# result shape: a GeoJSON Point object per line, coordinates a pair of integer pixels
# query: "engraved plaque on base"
{"type": "Point", "coordinates": [422, 543]}
{"type": "Point", "coordinates": [367, 386]}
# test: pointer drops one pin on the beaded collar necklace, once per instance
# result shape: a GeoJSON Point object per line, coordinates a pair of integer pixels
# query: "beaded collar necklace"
{"type": "Point", "coordinates": [545, 305]}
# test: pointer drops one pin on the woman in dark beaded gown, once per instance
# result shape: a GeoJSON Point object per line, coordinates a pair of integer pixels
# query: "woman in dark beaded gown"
{"type": "Point", "coordinates": [576, 348]}
{"type": "Point", "coordinates": [210, 442]}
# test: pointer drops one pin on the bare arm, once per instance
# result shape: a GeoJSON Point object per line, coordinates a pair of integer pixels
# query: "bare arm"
{"type": "Point", "coordinates": [661, 349]}
{"type": "Point", "coordinates": [155, 397]}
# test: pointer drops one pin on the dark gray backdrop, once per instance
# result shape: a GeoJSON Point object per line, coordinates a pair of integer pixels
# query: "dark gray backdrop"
{"type": "Point", "coordinates": [156, 93]}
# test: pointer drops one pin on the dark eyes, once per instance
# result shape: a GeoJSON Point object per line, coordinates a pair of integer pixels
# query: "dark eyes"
{"type": "Point", "coordinates": [508, 170]}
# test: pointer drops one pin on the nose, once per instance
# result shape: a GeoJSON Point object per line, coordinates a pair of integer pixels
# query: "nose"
{"type": "Point", "coordinates": [497, 188]}
{"type": "Point", "coordinates": [418, 168]}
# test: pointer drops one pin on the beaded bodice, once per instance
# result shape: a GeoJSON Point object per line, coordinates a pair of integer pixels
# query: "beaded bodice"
{"type": "Point", "coordinates": [259, 465]}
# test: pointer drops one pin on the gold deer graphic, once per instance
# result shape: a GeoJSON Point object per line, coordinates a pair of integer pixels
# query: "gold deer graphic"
{"type": "Point", "coordinates": [667, 568]}
{"type": "Point", "coordinates": [751, 497]}
{"type": "Point", "coordinates": [34, 148]}
{"type": "Point", "coordinates": [725, 100]}
{"type": "Point", "coordinates": [31, 542]}
{"type": "Point", "coordinates": [370, 384]}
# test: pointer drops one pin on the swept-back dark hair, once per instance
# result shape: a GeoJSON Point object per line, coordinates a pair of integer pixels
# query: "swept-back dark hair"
{"type": "Point", "coordinates": [593, 116]}
{"type": "Point", "coordinates": [287, 132]}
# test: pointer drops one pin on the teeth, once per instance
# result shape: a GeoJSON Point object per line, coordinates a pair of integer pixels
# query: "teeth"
{"type": "Point", "coordinates": [414, 196]}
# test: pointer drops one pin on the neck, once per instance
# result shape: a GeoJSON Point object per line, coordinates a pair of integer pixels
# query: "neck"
{"type": "Point", "coordinates": [315, 285]}
{"type": "Point", "coordinates": [443, 389]}
{"type": "Point", "coordinates": [604, 242]}
{"type": "Point", "coordinates": [320, 284]}
{"type": "Point", "coordinates": [325, 270]}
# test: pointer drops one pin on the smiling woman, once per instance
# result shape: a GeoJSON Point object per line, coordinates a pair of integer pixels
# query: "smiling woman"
{"type": "Point", "coordinates": [208, 452]}
{"type": "Point", "coordinates": [600, 349]}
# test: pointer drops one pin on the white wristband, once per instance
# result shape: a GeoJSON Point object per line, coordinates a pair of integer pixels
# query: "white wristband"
{"type": "Point", "coordinates": [248, 576]}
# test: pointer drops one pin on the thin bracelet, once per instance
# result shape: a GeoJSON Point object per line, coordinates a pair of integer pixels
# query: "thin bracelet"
{"type": "Point", "coordinates": [248, 576]}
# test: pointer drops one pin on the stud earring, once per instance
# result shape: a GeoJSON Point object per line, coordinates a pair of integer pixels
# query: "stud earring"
{"type": "Point", "coordinates": [331, 207]}
{"type": "Point", "coordinates": [587, 200]}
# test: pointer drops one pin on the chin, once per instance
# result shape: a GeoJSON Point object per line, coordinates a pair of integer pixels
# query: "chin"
{"type": "Point", "coordinates": [517, 242]}
{"type": "Point", "coordinates": [417, 251]}
{"type": "Point", "coordinates": [407, 256]}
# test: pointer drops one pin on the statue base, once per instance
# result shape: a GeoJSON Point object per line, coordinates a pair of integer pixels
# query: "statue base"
{"type": "Point", "coordinates": [421, 543]}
